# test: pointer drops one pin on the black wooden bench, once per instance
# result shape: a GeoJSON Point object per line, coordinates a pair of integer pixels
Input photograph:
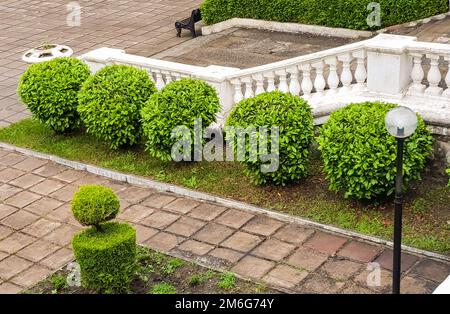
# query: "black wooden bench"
{"type": "Point", "coordinates": [189, 23]}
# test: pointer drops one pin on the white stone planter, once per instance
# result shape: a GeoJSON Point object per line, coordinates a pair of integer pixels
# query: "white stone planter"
{"type": "Point", "coordinates": [46, 53]}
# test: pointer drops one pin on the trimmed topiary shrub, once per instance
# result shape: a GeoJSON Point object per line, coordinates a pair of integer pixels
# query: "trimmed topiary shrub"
{"type": "Point", "coordinates": [107, 259]}
{"type": "Point", "coordinates": [292, 115]}
{"type": "Point", "coordinates": [110, 103]}
{"type": "Point", "coordinates": [359, 154]}
{"type": "Point", "coordinates": [177, 104]}
{"type": "Point", "coordinates": [334, 13]}
{"type": "Point", "coordinates": [49, 90]}
{"type": "Point", "coordinates": [93, 204]}
{"type": "Point", "coordinates": [105, 252]}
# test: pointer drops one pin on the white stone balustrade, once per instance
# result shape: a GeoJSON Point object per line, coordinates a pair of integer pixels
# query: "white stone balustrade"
{"type": "Point", "coordinates": [388, 68]}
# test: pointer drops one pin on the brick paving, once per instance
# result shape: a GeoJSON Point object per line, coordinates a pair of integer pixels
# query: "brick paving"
{"type": "Point", "coordinates": [143, 27]}
{"type": "Point", "coordinates": [36, 227]}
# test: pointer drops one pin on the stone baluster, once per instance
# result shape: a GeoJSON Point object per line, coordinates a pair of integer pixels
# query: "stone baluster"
{"type": "Point", "coordinates": [434, 76]}
{"type": "Point", "coordinates": [159, 80]}
{"type": "Point", "coordinates": [360, 72]}
{"type": "Point", "coordinates": [259, 78]}
{"type": "Point", "coordinates": [176, 76]}
{"type": "Point", "coordinates": [307, 84]}
{"type": "Point", "coordinates": [237, 85]}
{"type": "Point", "coordinates": [346, 75]}
{"type": "Point", "coordinates": [283, 86]}
{"type": "Point", "coordinates": [150, 73]}
{"type": "Point", "coordinates": [294, 85]}
{"type": "Point", "coordinates": [333, 77]}
{"type": "Point", "coordinates": [270, 81]}
{"type": "Point", "coordinates": [167, 76]}
{"type": "Point", "coordinates": [447, 78]}
{"type": "Point", "coordinates": [319, 81]}
{"type": "Point", "coordinates": [248, 81]}
{"type": "Point", "coordinates": [417, 75]}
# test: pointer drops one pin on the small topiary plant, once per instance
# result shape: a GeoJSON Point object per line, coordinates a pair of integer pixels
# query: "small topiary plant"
{"type": "Point", "coordinates": [359, 154]}
{"type": "Point", "coordinates": [178, 104]}
{"type": "Point", "coordinates": [110, 103]}
{"type": "Point", "coordinates": [49, 90]}
{"type": "Point", "coordinates": [105, 252]}
{"type": "Point", "coordinates": [292, 115]}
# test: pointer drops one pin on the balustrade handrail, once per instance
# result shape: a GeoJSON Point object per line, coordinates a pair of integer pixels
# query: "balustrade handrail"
{"type": "Point", "coordinates": [162, 65]}
{"type": "Point", "coordinates": [310, 58]}
{"type": "Point", "coordinates": [120, 56]}
{"type": "Point", "coordinates": [429, 47]}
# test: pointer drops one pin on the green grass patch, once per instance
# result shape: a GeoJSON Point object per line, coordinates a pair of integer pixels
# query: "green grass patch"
{"type": "Point", "coordinates": [198, 279]}
{"type": "Point", "coordinates": [427, 203]}
{"type": "Point", "coordinates": [172, 265]}
{"type": "Point", "coordinates": [59, 283]}
{"type": "Point", "coordinates": [163, 288]}
{"type": "Point", "coordinates": [227, 281]}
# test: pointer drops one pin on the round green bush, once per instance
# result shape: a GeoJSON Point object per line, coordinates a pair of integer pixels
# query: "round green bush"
{"type": "Point", "coordinates": [49, 90]}
{"type": "Point", "coordinates": [177, 104]}
{"type": "Point", "coordinates": [107, 259]}
{"type": "Point", "coordinates": [110, 102]}
{"type": "Point", "coordinates": [94, 204]}
{"type": "Point", "coordinates": [448, 172]}
{"type": "Point", "coordinates": [292, 115]}
{"type": "Point", "coordinates": [359, 154]}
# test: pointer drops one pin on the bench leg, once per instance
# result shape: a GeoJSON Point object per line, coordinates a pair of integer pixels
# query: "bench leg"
{"type": "Point", "coordinates": [178, 31]}
{"type": "Point", "coordinates": [193, 33]}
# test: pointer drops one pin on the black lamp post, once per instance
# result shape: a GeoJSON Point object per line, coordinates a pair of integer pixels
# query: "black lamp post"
{"type": "Point", "coordinates": [401, 122]}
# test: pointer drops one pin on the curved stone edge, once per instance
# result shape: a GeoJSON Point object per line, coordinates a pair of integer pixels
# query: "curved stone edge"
{"type": "Point", "coordinates": [284, 27]}
{"type": "Point", "coordinates": [165, 187]}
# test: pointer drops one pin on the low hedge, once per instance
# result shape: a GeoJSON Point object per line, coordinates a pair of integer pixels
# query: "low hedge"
{"type": "Point", "coordinates": [359, 154]}
{"type": "Point", "coordinates": [334, 13]}
{"type": "Point", "coordinates": [49, 90]}
{"type": "Point", "coordinates": [108, 258]}
{"type": "Point", "coordinates": [448, 172]}
{"type": "Point", "coordinates": [292, 115]}
{"type": "Point", "coordinates": [110, 102]}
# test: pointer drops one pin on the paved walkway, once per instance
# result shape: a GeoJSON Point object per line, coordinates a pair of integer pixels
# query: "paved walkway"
{"type": "Point", "coordinates": [142, 27]}
{"type": "Point", "coordinates": [36, 227]}
{"type": "Point", "coordinates": [434, 31]}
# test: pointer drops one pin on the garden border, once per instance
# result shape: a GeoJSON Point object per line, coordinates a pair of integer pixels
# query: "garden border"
{"type": "Point", "coordinates": [320, 30]}
{"type": "Point", "coordinates": [307, 28]}
{"type": "Point", "coordinates": [166, 187]}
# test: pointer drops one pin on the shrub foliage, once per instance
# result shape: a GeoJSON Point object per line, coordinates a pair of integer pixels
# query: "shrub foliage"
{"type": "Point", "coordinates": [110, 103]}
{"type": "Point", "coordinates": [93, 204]}
{"type": "Point", "coordinates": [292, 115]}
{"type": "Point", "coordinates": [105, 252]}
{"type": "Point", "coordinates": [334, 13]}
{"type": "Point", "coordinates": [359, 154]}
{"type": "Point", "coordinates": [49, 90]}
{"type": "Point", "coordinates": [108, 258]}
{"type": "Point", "coordinates": [178, 104]}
